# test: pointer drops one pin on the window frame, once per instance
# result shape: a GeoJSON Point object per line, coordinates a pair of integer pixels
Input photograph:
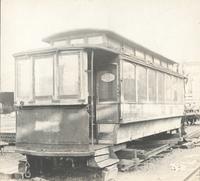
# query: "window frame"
{"type": "Point", "coordinates": [139, 54]}
{"type": "Point", "coordinates": [175, 82]}
{"type": "Point", "coordinates": [149, 58]}
{"type": "Point", "coordinates": [54, 98]}
{"type": "Point", "coordinates": [91, 39]}
{"type": "Point", "coordinates": [164, 88]}
{"type": "Point", "coordinates": [59, 43]}
{"type": "Point", "coordinates": [137, 87]}
{"type": "Point", "coordinates": [36, 97]}
{"type": "Point", "coordinates": [168, 100]}
{"type": "Point", "coordinates": [26, 58]}
{"type": "Point", "coordinates": [157, 62]}
{"type": "Point", "coordinates": [156, 85]}
{"type": "Point", "coordinates": [122, 78]}
{"type": "Point", "coordinates": [101, 68]}
{"type": "Point", "coordinates": [80, 64]}
{"type": "Point", "coordinates": [181, 96]}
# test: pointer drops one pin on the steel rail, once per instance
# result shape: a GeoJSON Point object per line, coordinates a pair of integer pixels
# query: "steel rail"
{"type": "Point", "coordinates": [192, 174]}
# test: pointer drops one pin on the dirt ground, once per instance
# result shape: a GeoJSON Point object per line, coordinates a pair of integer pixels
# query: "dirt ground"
{"type": "Point", "coordinates": [174, 166]}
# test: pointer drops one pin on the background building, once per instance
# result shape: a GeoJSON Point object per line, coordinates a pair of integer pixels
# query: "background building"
{"type": "Point", "coordinates": [192, 94]}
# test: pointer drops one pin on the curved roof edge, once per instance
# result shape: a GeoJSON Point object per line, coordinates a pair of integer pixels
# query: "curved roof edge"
{"type": "Point", "coordinates": [109, 33]}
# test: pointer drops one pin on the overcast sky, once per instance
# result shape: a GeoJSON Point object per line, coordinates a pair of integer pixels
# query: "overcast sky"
{"type": "Point", "coordinates": [169, 27]}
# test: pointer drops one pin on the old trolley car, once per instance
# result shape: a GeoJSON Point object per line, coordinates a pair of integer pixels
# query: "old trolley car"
{"type": "Point", "coordinates": [90, 93]}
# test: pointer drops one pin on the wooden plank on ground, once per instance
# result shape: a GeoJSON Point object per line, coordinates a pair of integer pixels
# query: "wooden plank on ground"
{"type": "Point", "coordinates": [153, 152]}
{"type": "Point", "coordinates": [188, 145]}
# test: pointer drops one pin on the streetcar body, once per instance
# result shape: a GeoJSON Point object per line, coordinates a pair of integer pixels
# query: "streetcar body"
{"type": "Point", "coordinates": [93, 87]}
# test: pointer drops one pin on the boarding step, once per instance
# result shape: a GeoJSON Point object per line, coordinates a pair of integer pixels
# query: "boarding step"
{"type": "Point", "coordinates": [108, 162]}
{"type": "Point", "coordinates": [105, 141]}
{"type": "Point", "coordinates": [102, 158]}
{"type": "Point", "coordinates": [102, 163]}
{"type": "Point", "coordinates": [102, 151]}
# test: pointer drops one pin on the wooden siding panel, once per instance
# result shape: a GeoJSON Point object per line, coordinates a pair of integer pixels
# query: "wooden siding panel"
{"type": "Point", "coordinates": [139, 112]}
{"type": "Point", "coordinates": [53, 126]}
{"type": "Point", "coordinates": [128, 132]}
{"type": "Point", "coordinates": [107, 113]}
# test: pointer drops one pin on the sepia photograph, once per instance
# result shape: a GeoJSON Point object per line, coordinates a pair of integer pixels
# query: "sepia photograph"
{"type": "Point", "coordinates": [100, 90]}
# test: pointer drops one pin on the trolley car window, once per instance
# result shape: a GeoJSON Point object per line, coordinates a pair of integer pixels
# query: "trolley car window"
{"type": "Point", "coordinates": [107, 84]}
{"type": "Point", "coordinates": [168, 88]}
{"type": "Point", "coordinates": [175, 88]}
{"type": "Point", "coordinates": [156, 61]}
{"type": "Point", "coordinates": [129, 82]}
{"type": "Point", "coordinates": [139, 54]}
{"type": "Point", "coordinates": [152, 85]}
{"type": "Point", "coordinates": [44, 76]}
{"type": "Point", "coordinates": [141, 84]}
{"type": "Point", "coordinates": [69, 82]}
{"type": "Point", "coordinates": [161, 87]}
{"type": "Point", "coordinates": [77, 41]}
{"type": "Point", "coordinates": [95, 40]}
{"type": "Point", "coordinates": [164, 64]}
{"type": "Point", "coordinates": [181, 92]}
{"type": "Point", "coordinates": [60, 43]}
{"type": "Point", "coordinates": [149, 58]}
{"type": "Point", "coordinates": [24, 78]}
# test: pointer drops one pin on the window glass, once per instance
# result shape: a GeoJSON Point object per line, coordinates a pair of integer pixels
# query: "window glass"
{"type": "Point", "coordinates": [164, 64]}
{"type": "Point", "coordinates": [156, 61]}
{"type": "Point", "coordinates": [128, 50]}
{"type": "Point", "coordinates": [44, 76]}
{"type": "Point", "coordinates": [68, 66]}
{"type": "Point", "coordinates": [170, 66]}
{"type": "Point", "coordinates": [161, 87]}
{"type": "Point", "coordinates": [107, 84]}
{"type": "Point", "coordinates": [141, 84]}
{"type": "Point", "coordinates": [175, 68]}
{"type": "Point", "coordinates": [180, 90]}
{"type": "Point", "coordinates": [168, 88]}
{"type": "Point", "coordinates": [59, 43]}
{"type": "Point", "coordinates": [77, 41]}
{"type": "Point", "coordinates": [114, 44]}
{"type": "Point", "coordinates": [95, 40]}
{"type": "Point", "coordinates": [129, 81]}
{"type": "Point", "coordinates": [175, 83]}
{"type": "Point", "coordinates": [149, 58]}
{"type": "Point", "coordinates": [24, 78]}
{"type": "Point", "coordinates": [152, 85]}
{"type": "Point", "coordinates": [188, 85]}
{"type": "Point", "coordinates": [139, 54]}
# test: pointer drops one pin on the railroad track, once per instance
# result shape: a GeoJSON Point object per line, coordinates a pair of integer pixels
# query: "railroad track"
{"type": "Point", "coordinates": [194, 175]}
